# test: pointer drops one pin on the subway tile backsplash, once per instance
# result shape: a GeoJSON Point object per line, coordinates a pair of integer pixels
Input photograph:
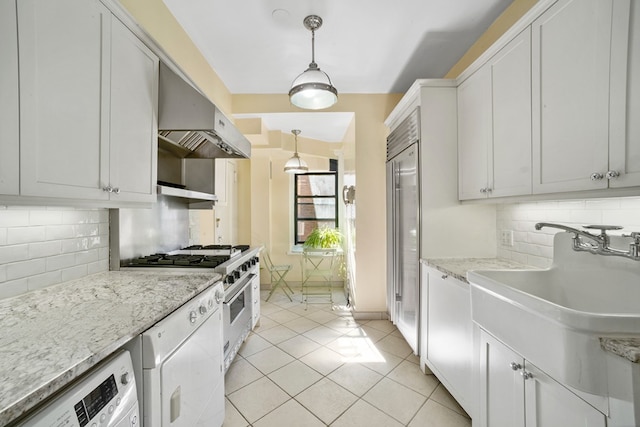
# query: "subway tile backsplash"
{"type": "Point", "coordinates": [43, 246]}
{"type": "Point", "coordinates": [536, 247]}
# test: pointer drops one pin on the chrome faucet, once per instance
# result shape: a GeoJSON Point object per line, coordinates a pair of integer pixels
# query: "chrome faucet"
{"type": "Point", "coordinates": [601, 241]}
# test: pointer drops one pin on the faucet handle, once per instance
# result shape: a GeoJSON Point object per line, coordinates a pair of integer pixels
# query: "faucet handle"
{"type": "Point", "coordinates": [634, 235]}
{"type": "Point", "coordinates": [603, 228]}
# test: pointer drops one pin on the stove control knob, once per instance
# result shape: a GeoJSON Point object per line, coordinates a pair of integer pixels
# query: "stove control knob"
{"type": "Point", "coordinates": [193, 316]}
{"type": "Point", "coordinates": [219, 296]}
{"type": "Point", "coordinates": [230, 278]}
{"type": "Point", "coordinates": [202, 309]}
{"type": "Point", "coordinates": [245, 267]}
{"type": "Point", "coordinates": [236, 274]}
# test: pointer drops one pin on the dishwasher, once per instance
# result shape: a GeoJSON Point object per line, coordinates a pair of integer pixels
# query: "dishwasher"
{"type": "Point", "coordinates": [105, 396]}
{"type": "Point", "coordinates": [182, 361]}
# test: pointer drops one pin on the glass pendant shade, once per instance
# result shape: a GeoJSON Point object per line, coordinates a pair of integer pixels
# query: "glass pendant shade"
{"type": "Point", "coordinates": [313, 90]}
{"type": "Point", "coordinates": [295, 164]}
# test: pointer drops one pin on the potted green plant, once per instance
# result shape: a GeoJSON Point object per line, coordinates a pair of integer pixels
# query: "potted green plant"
{"type": "Point", "coordinates": [324, 238]}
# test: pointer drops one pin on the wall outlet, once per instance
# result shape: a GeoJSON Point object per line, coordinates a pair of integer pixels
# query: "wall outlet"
{"type": "Point", "coordinates": [506, 238]}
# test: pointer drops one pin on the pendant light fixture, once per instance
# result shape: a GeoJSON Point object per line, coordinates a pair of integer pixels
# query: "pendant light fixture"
{"type": "Point", "coordinates": [313, 90]}
{"type": "Point", "coordinates": [295, 164]}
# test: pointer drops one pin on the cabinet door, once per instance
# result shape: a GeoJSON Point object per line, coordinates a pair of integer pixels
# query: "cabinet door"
{"type": "Point", "coordinates": [624, 142]}
{"type": "Point", "coordinates": [501, 385]}
{"type": "Point", "coordinates": [64, 68]}
{"type": "Point", "coordinates": [511, 95]}
{"type": "Point", "coordinates": [133, 129]}
{"type": "Point", "coordinates": [548, 403]}
{"type": "Point", "coordinates": [9, 136]}
{"type": "Point", "coordinates": [450, 335]}
{"type": "Point", "coordinates": [474, 134]}
{"type": "Point", "coordinates": [570, 81]}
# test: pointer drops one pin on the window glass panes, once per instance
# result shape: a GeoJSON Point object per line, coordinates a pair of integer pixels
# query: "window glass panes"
{"type": "Point", "coordinates": [315, 184]}
{"type": "Point", "coordinates": [316, 203]}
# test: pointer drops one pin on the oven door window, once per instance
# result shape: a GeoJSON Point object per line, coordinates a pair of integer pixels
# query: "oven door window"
{"type": "Point", "coordinates": [236, 307]}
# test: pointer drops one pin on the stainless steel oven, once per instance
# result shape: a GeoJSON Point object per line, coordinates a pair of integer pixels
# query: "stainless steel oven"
{"type": "Point", "coordinates": [237, 316]}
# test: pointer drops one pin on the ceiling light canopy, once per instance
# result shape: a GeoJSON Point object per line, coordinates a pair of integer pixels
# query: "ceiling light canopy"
{"type": "Point", "coordinates": [295, 164]}
{"type": "Point", "coordinates": [313, 90]}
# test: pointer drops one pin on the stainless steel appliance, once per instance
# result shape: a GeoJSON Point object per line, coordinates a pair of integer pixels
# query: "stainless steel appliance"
{"type": "Point", "coordinates": [183, 365]}
{"type": "Point", "coordinates": [106, 396]}
{"type": "Point", "coordinates": [189, 125]}
{"type": "Point", "coordinates": [403, 228]}
{"type": "Point", "coordinates": [240, 269]}
{"type": "Point", "coordinates": [240, 275]}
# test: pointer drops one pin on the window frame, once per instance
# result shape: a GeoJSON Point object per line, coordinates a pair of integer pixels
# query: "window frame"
{"type": "Point", "coordinates": [296, 204]}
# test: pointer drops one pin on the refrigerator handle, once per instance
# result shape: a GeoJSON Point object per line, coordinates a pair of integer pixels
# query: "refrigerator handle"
{"type": "Point", "coordinates": [396, 231]}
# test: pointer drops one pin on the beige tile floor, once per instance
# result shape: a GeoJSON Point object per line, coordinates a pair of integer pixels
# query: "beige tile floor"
{"type": "Point", "coordinates": [320, 367]}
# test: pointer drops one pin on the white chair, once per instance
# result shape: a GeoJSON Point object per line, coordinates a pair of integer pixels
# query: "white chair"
{"type": "Point", "coordinates": [277, 275]}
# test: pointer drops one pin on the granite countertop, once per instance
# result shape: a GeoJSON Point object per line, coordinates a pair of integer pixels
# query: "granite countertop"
{"type": "Point", "coordinates": [629, 348]}
{"type": "Point", "coordinates": [50, 336]}
{"type": "Point", "coordinates": [458, 267]}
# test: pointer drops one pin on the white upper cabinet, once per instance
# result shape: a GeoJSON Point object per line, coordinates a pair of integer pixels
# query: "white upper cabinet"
{"type": "Point", "coordinates": [63, 102]}
{"type": "Point", "coordinates": [133, 121]}
{"type": "Point", "coordinates": [494, 125]}
{"type": "Point", "coordinates": [624, 137]}
{"type": "Point", "coordinates": [510, 174]}
{"type": "Point", "coordinates": [571, 46]}
{"type": "Point", "coordinates": [88, 103]}
{"type": "Point", "coordinates": [9, 125]}
{"type": "Point", "coordinates": [474, 134]}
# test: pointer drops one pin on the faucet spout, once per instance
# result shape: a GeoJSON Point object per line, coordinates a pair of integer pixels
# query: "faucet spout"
{"type": "Point", "coordinates": [601, 245]}
{"type": "Point", "coordinates": [575, 231]}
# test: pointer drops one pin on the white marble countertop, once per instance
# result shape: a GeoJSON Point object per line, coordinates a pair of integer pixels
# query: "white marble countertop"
{"type": "Point", "coordinates": [458, 267]}
{"type": "Point", "coordinates": [629, 348]}
{"type": "Point", "coordinates": [51, 336]}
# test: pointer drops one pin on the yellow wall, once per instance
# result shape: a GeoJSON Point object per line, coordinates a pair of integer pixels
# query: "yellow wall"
{"type": "Point", "coordinates": [370, 157]}
{"type": "Point", "coordinates": [365, 152]}
{"type": "Point", "coordinates": [154, 17]}
{"type": "Point", "coordinates": [505, 21]}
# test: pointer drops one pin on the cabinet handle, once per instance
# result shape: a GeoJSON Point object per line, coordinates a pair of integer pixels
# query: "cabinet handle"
{"type": "Point", "coordinates": [612, 174]}
{"type": "Point", "coordinates": [108, 189]}
{"type": "Point", "coordinates": [444, 276]}
{"type": "Point", "coordinates": [515, 366]}
{"type": "Point", "coordinates": [526, 375]}
{"type": "Point", "coordinates": [483, 190]}
{"type": "Point", "coordinates": [596, 176]}
{"type": "Point", "coordinates": [116, 190]}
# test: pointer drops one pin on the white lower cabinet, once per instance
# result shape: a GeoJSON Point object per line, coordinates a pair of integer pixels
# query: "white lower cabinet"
{"type": "Point", "coordinates": [515, 393]}
{"type": "Point", "coordinates": [449, 335]}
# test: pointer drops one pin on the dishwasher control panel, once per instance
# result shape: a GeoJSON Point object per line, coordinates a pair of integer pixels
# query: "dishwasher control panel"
{"type": "Point", "coordinates": [104, 397]}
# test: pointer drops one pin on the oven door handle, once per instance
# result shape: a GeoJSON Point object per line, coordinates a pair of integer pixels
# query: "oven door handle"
{"type": "Point", "coordinates": [240, 288]}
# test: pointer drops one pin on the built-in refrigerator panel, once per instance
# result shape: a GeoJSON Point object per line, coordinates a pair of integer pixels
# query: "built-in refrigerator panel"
{"type": "Point", "coordinates": [403, 230]}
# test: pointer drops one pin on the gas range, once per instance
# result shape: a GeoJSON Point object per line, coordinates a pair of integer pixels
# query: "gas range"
{"type": "Point", "coordinates": [232, 262]}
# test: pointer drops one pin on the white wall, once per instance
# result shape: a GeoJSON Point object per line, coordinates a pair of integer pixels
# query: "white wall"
{"type": "Point", "coordinates": [536, 247]}
{"type": "Point", "coordinates": [43, 246]}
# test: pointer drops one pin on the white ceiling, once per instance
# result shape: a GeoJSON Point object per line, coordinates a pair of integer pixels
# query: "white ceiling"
{"type": "Point", "coordinates": [366, 46]}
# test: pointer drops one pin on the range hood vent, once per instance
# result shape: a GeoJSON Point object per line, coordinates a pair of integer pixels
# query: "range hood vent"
{"type": "Point", "coordinates": [191, 126]}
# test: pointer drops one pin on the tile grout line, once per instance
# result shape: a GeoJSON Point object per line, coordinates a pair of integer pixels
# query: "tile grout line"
{"type": "Point", "coordinates": [340, 332]}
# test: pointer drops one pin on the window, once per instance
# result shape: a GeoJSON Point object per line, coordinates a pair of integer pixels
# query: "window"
{"type": "Point", "coordinates": [316, 203]}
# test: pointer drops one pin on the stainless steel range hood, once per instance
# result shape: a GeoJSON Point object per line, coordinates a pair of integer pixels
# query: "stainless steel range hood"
{"type": "Point", "coordinates": [191, 126]}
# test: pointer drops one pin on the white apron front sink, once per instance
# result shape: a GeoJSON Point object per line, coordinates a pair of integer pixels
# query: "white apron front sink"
{"type": "Point", "coordinates": [555, 317]}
